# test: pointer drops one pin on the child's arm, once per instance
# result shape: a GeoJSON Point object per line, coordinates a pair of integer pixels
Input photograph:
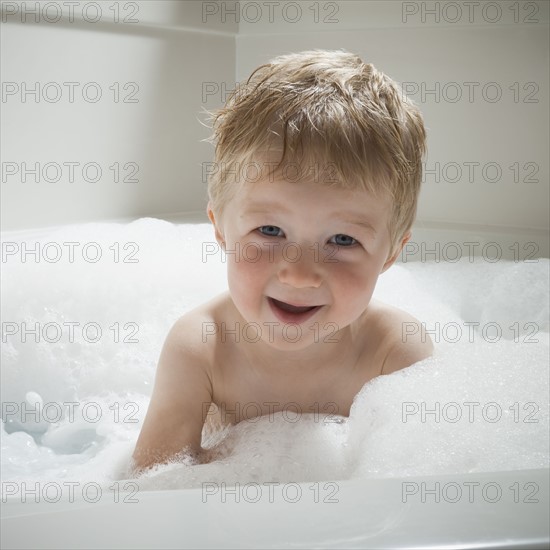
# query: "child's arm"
{"type": "Point", "coordinates": [180, 401]}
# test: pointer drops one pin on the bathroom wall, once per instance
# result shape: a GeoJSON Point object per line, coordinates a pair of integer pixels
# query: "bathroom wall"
{"type": "Point", "coordinates": [477, 70]}
{"type": "Point", "coordinates": [479, 75]}
{"type": "Point", "coordinates": [114, 129]}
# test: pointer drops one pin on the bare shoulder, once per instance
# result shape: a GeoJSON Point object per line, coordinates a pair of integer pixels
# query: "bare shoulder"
{"type": "Point", "coordinates": [403, 338]}
{"type": "Point", "coordinates": [189, 352]}
{"type": "Point", "coordinates": [193, 329]}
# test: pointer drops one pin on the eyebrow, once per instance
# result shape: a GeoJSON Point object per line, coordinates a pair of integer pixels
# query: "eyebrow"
{"type": "Point", "coordinates": [263, 209]}
{"type": "Point", "coordinates": [361, 223]}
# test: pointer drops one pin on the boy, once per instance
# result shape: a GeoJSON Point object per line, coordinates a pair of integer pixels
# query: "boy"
{"type": "Point", "coordinates": [319, 169]}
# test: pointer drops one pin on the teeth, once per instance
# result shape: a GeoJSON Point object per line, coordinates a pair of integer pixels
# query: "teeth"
{"type": "Point", "coordinates": [292, 309]}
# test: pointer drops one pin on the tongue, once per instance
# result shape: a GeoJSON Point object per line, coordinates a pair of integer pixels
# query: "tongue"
{"type": "Point", "coordinates": [292, 309]}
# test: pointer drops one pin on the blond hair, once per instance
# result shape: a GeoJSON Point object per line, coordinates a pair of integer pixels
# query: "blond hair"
{"type": "Point", "coordinates": [332, 113]}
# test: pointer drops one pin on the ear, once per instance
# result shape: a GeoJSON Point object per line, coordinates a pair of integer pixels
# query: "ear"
{"type": "Point", "coordinates": [219, 236]}
{"type": "Point", "coordinates": [390, 261]}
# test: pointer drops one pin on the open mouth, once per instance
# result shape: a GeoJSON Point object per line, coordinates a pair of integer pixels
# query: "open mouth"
{"type": "Point", "coordinates": [290, 313]}
{"type": "Point", "coordinates": [290, 308]}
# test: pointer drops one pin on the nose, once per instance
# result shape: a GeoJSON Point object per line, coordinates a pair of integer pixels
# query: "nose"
{"type": "Point", "coordinates": [300, 268]}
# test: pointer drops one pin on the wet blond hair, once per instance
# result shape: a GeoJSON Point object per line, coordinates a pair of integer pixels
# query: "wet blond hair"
{"type": "Point", "coordinates": [338, 118]}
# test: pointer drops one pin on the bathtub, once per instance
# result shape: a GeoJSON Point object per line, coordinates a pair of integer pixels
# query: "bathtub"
{"type": "Point", "coordinates": [364, 514]}
{"type": "Point", "coordinates": [397, 508]}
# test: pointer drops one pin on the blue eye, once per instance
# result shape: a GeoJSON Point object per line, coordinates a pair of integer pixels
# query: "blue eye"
{"type": "Point", "coordinates": [270, 230]}
{"type": "Point", "coordinates": [344, 240]}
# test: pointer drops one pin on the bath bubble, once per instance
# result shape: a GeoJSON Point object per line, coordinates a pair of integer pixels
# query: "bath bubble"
{"type": "Point", "coordinates": [70, 438]}
{"type": "Point", "coordinates": [488, 413]}
{"type": "Point", "coordinates": [265, 449]}
{"type": "Point", "coordinates": [33, 398]}
{"type": "Point", "coordinates": [399, 425]}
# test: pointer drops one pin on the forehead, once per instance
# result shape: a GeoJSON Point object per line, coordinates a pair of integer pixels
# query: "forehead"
{"type": "Point", "coordinates": [261, 170]}
{"type": "Point", "coordinates": [310, 200]}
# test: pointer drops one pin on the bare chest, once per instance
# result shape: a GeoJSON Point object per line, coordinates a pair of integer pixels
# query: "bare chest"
{"type": "Point", "coordinates": [243, 392]}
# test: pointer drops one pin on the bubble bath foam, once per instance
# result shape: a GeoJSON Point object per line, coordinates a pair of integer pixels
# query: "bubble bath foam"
{"type": "Point", "coordinates": [452, 451]}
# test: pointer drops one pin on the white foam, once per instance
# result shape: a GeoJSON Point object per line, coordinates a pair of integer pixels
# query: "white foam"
{"type": "Point", "coordinates": [173, 275]}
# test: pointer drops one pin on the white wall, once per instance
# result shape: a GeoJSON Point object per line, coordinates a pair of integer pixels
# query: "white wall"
{"type": "Point", "coordinates": [180, 50]}
{"type": "Point", "coordinates": [430, 54]}
{"type": "Point", "coordinates": [166, 56]}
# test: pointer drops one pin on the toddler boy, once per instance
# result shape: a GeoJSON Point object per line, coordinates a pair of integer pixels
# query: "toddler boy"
{"type": "Point", "coordinates": [318, 170]}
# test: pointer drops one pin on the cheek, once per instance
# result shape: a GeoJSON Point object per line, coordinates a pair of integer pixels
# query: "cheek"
{"type": "Point", "coordinates": [247, 272]}
{"type": "Point", "coordinates": [354, 285]}
{"type": "Point", "coordinates": [355, 277]}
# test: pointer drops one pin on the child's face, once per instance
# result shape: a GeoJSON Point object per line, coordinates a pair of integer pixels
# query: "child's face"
{"type": "Point", "coordinates": [303, 244]}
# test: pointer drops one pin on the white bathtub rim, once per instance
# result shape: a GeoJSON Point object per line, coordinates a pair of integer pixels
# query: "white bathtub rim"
{"type": "Point", "coordinates": [371, 514]}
